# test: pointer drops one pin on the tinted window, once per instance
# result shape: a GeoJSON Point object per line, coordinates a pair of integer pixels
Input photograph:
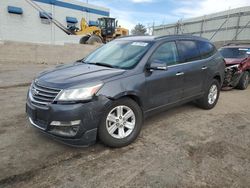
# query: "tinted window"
{"type": "Point", "coordinates": [188, 50]}
{"type": "Point", "coordinates": [166, 53]}
{"type": "Point", "coordinates": [206, 49]}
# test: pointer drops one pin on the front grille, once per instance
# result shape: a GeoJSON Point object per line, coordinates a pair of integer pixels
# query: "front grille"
{"type": "Point", "coordinates": [42, 95]}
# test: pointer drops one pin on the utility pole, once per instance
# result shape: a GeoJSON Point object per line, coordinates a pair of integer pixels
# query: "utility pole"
{"type": "Point", "coordinates": [227, 33]}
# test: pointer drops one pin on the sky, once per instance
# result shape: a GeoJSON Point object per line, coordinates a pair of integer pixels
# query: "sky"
{"type": "Point", "coordinates": [147, 12]}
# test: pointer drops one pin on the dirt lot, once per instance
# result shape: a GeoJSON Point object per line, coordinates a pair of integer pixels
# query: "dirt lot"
{"type": "Point", "coordinates": [183, 147]}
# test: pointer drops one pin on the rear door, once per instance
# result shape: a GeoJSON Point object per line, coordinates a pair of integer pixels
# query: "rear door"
{"type": "Point", "coordinates": [194, 68]}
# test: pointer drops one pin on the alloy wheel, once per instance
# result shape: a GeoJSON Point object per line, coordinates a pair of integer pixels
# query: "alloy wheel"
{"type": "Point", "coordinates": [120, 122]}
{"type": "Point", "coordinates": [212, 95]}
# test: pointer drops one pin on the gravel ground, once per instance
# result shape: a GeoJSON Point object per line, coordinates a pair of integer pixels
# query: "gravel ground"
{"type": "Point", "coordinates": [182, 147]}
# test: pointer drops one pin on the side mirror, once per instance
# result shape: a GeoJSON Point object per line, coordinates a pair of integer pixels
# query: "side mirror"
{"type": "Point", "coordinates": [157, 65]}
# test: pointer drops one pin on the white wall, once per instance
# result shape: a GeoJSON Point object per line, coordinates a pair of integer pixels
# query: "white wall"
{"type": "Point", "coordinates": [29, 28]}
{"type": "Point", "coordinates": [194, 25]}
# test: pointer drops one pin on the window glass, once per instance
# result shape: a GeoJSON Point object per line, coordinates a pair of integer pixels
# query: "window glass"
{"type": "Point", "coordinates": [119, 54]}
{"type": "Point", "coordinates": [232, 52]}
{"type": "Point", "coordinates": [101, 23]}
{"type": "Point", "coordinates": [188, 50]}
{"type": "Point", "coordinates": [166, 53]}
{"type": "Point", "coordinates": [206, 49]}
{"type": "Point", "coordinates": [109, 23]}
{"type": "Point", "coordinates": [113, 23]}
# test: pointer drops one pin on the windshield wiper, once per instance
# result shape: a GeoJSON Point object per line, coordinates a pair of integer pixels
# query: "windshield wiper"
{"type": "Point", "coordinates": [102, 64]}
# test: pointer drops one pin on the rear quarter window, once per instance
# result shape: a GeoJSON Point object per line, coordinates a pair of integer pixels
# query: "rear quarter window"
{"type": "Point", "coordinates": [206, 49]}
{"type": "Point", "coordinates": [188, 50]}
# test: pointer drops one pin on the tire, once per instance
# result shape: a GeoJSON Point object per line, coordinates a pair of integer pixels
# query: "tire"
{"type": "Point", "coordinates": [110, 129]}
{"type": "Point", "coordinates": [94, 39]}
{"type": "Point", "coordinates": [211, 96]}
{"type": "Point", "coordinates": [244, 81]}
{"type": "Point", "coordinates": [84, 39]}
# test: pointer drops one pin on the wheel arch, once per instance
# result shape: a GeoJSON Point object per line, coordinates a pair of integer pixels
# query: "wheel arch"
{"type": "Point", "coordinates": [218, 78]}
{"type": "Point", "coordinates": [132, 95]}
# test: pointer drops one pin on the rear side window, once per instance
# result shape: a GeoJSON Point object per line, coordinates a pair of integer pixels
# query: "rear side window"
{"type": "Point", "coordinates": [206, 49]}
{"type": "Point", "coordinates": [166, 53]}
{"type": "Point", "coordinates": [188, 50]}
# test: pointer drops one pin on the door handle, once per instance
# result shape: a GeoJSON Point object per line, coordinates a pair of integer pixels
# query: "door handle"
{"type": "Point", "coordinates": [179, 73]}
{"type": "Point", "coordinates": [204, 68]}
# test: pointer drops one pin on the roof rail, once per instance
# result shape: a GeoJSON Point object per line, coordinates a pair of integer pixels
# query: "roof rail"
{"type": "Point", "coordinates": [177, 35]}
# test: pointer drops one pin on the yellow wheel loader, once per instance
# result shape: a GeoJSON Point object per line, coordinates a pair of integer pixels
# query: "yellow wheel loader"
{"type": "Point", "coordinates": [104, 31]}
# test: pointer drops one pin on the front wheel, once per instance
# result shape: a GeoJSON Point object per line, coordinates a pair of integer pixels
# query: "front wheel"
{"type": "Point", "coordinates": [94, 39]}
{"type": "Point", "coordinates": [121, 123]}
{"type": "Point", "coordinates": [211, 96]}
{"type": "Point", "coordinates": [84, 39]}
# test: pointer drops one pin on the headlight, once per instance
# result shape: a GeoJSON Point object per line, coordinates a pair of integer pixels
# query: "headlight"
{"type": "Point", "coordinates": [78, 94]}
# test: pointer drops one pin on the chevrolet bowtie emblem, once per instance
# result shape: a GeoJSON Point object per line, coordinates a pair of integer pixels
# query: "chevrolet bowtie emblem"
{"type": "Point", "coordinates": [35, 92]}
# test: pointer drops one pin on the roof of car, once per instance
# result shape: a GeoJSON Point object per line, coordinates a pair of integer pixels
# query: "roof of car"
{"type": "Point", "coordinates": [157, 38]}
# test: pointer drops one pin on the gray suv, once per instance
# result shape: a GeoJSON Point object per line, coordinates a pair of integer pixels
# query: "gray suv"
{"type": "Point", "coordinates": [108, 94]}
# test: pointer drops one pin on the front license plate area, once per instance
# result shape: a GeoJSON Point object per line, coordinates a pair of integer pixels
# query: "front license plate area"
{"type": "Point", "coordinates": [37, 117]}
{"type": "Point", "coordinates": [31, 112]}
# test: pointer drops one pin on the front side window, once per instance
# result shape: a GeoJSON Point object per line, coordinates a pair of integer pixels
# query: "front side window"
{"type": "Point", "coordinates": [166, 53]}
{"type": "Point", "coordinates": [101, 23]}
{"type": "Point", "coordinates": [188, 50]}
{"type": "Point", "coordinates": [119, 54]}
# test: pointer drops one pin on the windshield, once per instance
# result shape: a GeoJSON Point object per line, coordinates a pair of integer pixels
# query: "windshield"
{"type": "Point", "coordinates": [234, 52]}
{"type": "Point", "coordinates": [119, 54]}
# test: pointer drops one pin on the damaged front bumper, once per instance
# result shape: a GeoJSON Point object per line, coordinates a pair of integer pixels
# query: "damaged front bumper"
{"type": "Point", "coordinates": [233, 75]}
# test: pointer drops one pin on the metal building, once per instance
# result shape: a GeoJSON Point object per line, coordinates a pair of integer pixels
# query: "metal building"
{"type": "Point", "coordinates": [19, 21]}
{"type": "Point", "coordinates": [223, 26]}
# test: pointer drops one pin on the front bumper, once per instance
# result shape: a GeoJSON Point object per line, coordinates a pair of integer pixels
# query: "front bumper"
{"type": "Point", "coordinates": [232, 76]}
{"type": "Point", "coordinates": [84, 133]}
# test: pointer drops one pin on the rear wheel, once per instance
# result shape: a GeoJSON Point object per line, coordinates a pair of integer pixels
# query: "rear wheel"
{"type": "Point", "coordinates": [244, 81]}
{"type": "Point", "coordinates": [121, 123]}
{"type": "Point", "coordinates": [84, 39]}
{"type": "Point", "coordinates": [94, 39]}
{"type": "Point", "coordinates": [211, 96]}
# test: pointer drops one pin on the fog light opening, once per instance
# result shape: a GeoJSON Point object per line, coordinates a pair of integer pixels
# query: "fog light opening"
{"type": "Point", "coordinates": [65, 123]}
{"type": "Point", "coordinates": [65, 128]}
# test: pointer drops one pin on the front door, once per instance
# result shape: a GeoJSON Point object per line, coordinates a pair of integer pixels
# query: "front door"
{"type": "Point", "coordinates": [164, 86]}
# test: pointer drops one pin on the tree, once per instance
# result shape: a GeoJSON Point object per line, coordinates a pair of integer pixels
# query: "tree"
{"type": "Point", "coordinates": [139, 29]}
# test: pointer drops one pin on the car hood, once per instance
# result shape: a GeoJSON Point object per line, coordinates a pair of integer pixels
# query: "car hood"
{"type": "Point", "coordinates": [233, 61]}
{"type": "Point", "coordinates": [70, 75]}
